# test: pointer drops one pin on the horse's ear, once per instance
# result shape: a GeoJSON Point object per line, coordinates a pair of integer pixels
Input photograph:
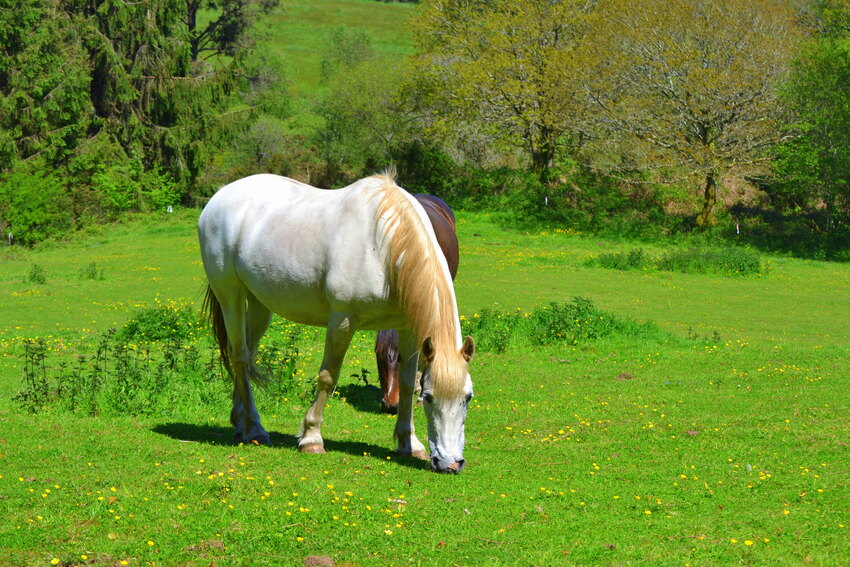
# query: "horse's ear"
{"type": "Point", "coordinates": [428, 350]}
{"type": "Point", "coordinates": [468, 348]}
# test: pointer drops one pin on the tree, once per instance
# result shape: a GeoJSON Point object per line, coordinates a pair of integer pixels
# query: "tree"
{"type": "Point", "coordinates": [692, 84]}
{"type": "Point", "coordinates": [507, 66]}
{"type": "Point", "coordinates": [366, 110]}
{"type": "Point", "coordinates": [44, 84]}
{"type": "Point", "coordinates": [814, 169]}
{"type": "Point", "coordinates": [225, 33]}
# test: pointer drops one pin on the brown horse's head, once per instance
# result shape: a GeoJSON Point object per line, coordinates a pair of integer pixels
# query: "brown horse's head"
{"type": "Point", "coordinates": [386, 356]}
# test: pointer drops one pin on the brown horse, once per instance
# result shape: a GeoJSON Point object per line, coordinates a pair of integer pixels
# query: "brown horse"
{"type": "Point", "coordinates": [386, 345]}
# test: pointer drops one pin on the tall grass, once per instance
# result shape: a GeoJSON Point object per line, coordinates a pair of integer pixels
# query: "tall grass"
{"type": "Point", "coordinates": [731, 261]}
{"type": "Point", "coordinates": [571, 323]}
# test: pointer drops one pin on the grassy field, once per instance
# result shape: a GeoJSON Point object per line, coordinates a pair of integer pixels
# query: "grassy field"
{"type": "Point", "coordinates": [298, 33]}
{"type": "Point", "coordinates": [724, 441]}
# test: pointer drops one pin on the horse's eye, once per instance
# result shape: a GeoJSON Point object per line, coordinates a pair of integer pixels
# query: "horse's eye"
{"type": "Point", "coordinates": [428, 398]}
{"type": "Point", "coordinates": [467, 399]}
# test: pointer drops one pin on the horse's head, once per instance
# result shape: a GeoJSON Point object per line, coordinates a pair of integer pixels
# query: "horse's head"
{"type": "Point", "coordinates": [387, 356]}
{"type": "Point", "coordinates": [446, 392]}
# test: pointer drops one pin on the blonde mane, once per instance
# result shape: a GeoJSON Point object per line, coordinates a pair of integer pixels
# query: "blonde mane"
{"type": "Point", "coordinates": [421, 282]}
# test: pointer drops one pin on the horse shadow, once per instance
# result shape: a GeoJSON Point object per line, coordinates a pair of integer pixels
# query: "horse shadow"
{"type": "Point", "coordinates": [223, 436]}
{"type": "Point", "coordinates": [362, 397]}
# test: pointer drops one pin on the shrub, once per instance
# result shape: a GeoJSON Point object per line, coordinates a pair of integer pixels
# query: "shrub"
{"type": "Point", "coordinates": [634, 259]}
{"type": "Point", "coordinates": [167, 322]}
{"type": "Point", "coordinates": [37, 275]}
{"type": "Point", "coordinates": [492, 331]}
{"type": "Point", "coordinates": [731, 261]}
{"type": "Point", "coordinates": [34, 207]}
{"type": "Point", "coordinates": [91, 272]}
{"type": "Point", "coordinates": [558, 323]}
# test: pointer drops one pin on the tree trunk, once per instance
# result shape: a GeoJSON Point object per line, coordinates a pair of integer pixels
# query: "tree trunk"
{"type": "Point", "coordinates": [543, 152]}
{"type": "Point", "coordinates": [191, 24]}
{"type": "Point", "coordinates": [706, 218]}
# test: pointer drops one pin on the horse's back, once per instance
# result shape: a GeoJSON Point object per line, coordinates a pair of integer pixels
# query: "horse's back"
{"type": "Point", "coordinates": [443, 222]}
{"type": "Point", "coordinates": [303, 252]}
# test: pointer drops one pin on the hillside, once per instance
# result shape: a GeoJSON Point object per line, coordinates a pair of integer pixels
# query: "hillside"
{"type": "Point", "coordinates": [297, 33]}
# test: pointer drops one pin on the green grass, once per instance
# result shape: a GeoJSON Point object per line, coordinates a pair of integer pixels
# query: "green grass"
{"type": "Point", "coordinates": [298, 33]}
{"type": "Point", "coordinates": [722, 441]}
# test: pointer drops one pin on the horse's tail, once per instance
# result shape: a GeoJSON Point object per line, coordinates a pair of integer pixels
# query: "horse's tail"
{"type": "Point", "coordinates": [212, 308]}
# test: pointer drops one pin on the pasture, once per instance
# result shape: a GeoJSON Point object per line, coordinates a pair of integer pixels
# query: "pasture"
{"type": "Point", "coordinates": [722, 439]}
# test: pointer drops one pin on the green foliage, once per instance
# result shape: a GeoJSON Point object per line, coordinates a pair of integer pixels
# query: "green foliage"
{"type": "Point", "coordinates": [162, 322]}
{"type": "Point", "coordinates": [107, 96]}
{"type": "Point", "coordinates": [37, 275]}
{"type": "Point", "coordinates": [728, 261]}
{"type": "Point", "coordinates": [812, 170]}
{"type": "Point", "coordinates": [570, 323]}
{"type": "Point", "coordinates": [117, 378]}
{"type": "Point", "coordinates": [92, 272]}
{"type": "Point", "coordinates": [34, 206]}
{"type": "Point", "coordinates": [634, 259]}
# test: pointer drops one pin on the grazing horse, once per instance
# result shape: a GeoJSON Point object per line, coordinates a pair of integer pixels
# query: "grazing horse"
{"type": "Point", "coordinates": [386, 343]}
{"type": "Point", "coordinates": [361, 257]}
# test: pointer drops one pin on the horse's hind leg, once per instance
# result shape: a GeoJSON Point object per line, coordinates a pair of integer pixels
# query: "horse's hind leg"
{"type": "Point", "coordinates": [244, 329]}
{"type": "Point", "coordinates": [337, 339]}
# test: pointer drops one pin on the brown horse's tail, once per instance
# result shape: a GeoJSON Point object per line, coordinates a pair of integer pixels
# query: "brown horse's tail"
{"type": "Point", "coordinates": [212, 308]}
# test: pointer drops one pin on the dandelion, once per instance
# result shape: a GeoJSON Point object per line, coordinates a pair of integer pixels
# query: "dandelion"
{"type": "Point", "coordinates": [748, 542]}
{"type": "Point", "coordinates": [54, 561]}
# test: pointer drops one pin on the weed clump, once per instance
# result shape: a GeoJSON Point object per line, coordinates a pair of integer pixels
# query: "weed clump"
{"type": "Point", "coordinates": [37, 275]}
{"type": "Point", "coordinates": [155, 365]}
{"type": "Point", "coordinates": [731, 261]}
{"type": "Point", "coordinates": [635, 259]}
{"type": "Point", "coordinates": [572, 323]}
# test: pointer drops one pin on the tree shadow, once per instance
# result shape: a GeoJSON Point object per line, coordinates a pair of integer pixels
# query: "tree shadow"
{"type": "Point", "coordinates": [220, 435]}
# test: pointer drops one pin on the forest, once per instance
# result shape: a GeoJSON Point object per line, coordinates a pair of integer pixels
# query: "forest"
{"type": "Point", "coordinates": [711, 121]}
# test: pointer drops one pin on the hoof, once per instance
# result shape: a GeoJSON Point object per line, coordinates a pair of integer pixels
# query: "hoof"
{"type": "Point", "coordinates": [314, 448]}
{"type": "Point", "coordinates": [420, 455]}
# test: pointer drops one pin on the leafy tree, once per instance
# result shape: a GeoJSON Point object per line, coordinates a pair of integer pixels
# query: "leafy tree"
{"type": "Point", "coordinates": [506, 65]}
{"type": "Point", "coordinates": [117, 78]}
{"type": "Point", "coordinates": [814, 169]}
{"type": "Point", "coordinates": [692, 84]}
{"type": "Point", "coordinates": [44, 83]}
{"type": "Point", "coordinates": [226, 32]}
{"type": "Point", "coordinates": [367, 108]}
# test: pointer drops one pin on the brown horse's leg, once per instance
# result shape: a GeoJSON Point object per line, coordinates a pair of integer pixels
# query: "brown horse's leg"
{"type": "Point", "coordinates": [337, 339]}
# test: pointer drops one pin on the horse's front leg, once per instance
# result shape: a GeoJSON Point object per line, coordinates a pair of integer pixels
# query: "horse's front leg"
{"type": "Point", "coordinates": [405, 432]}
{"type": "Point", "coordinates": [337, 339]}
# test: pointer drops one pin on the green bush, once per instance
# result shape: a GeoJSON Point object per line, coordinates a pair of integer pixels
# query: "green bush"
{"type": "Point", "coordinates": [34, 207]}
{"type": "Point", "coordinates": [167, 322]}
{"type": "Point", "coordinates": [558, 323]}
{"type": "Point", "coordinates": [37, 275]}
{"type": "Point", "coordinates": [730, 261]}
{"type": "Point", "coordinates": [635, 259]}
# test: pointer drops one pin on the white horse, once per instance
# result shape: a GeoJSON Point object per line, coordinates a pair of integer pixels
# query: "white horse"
{"type": "Point", "coordinates": [361, 257]}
